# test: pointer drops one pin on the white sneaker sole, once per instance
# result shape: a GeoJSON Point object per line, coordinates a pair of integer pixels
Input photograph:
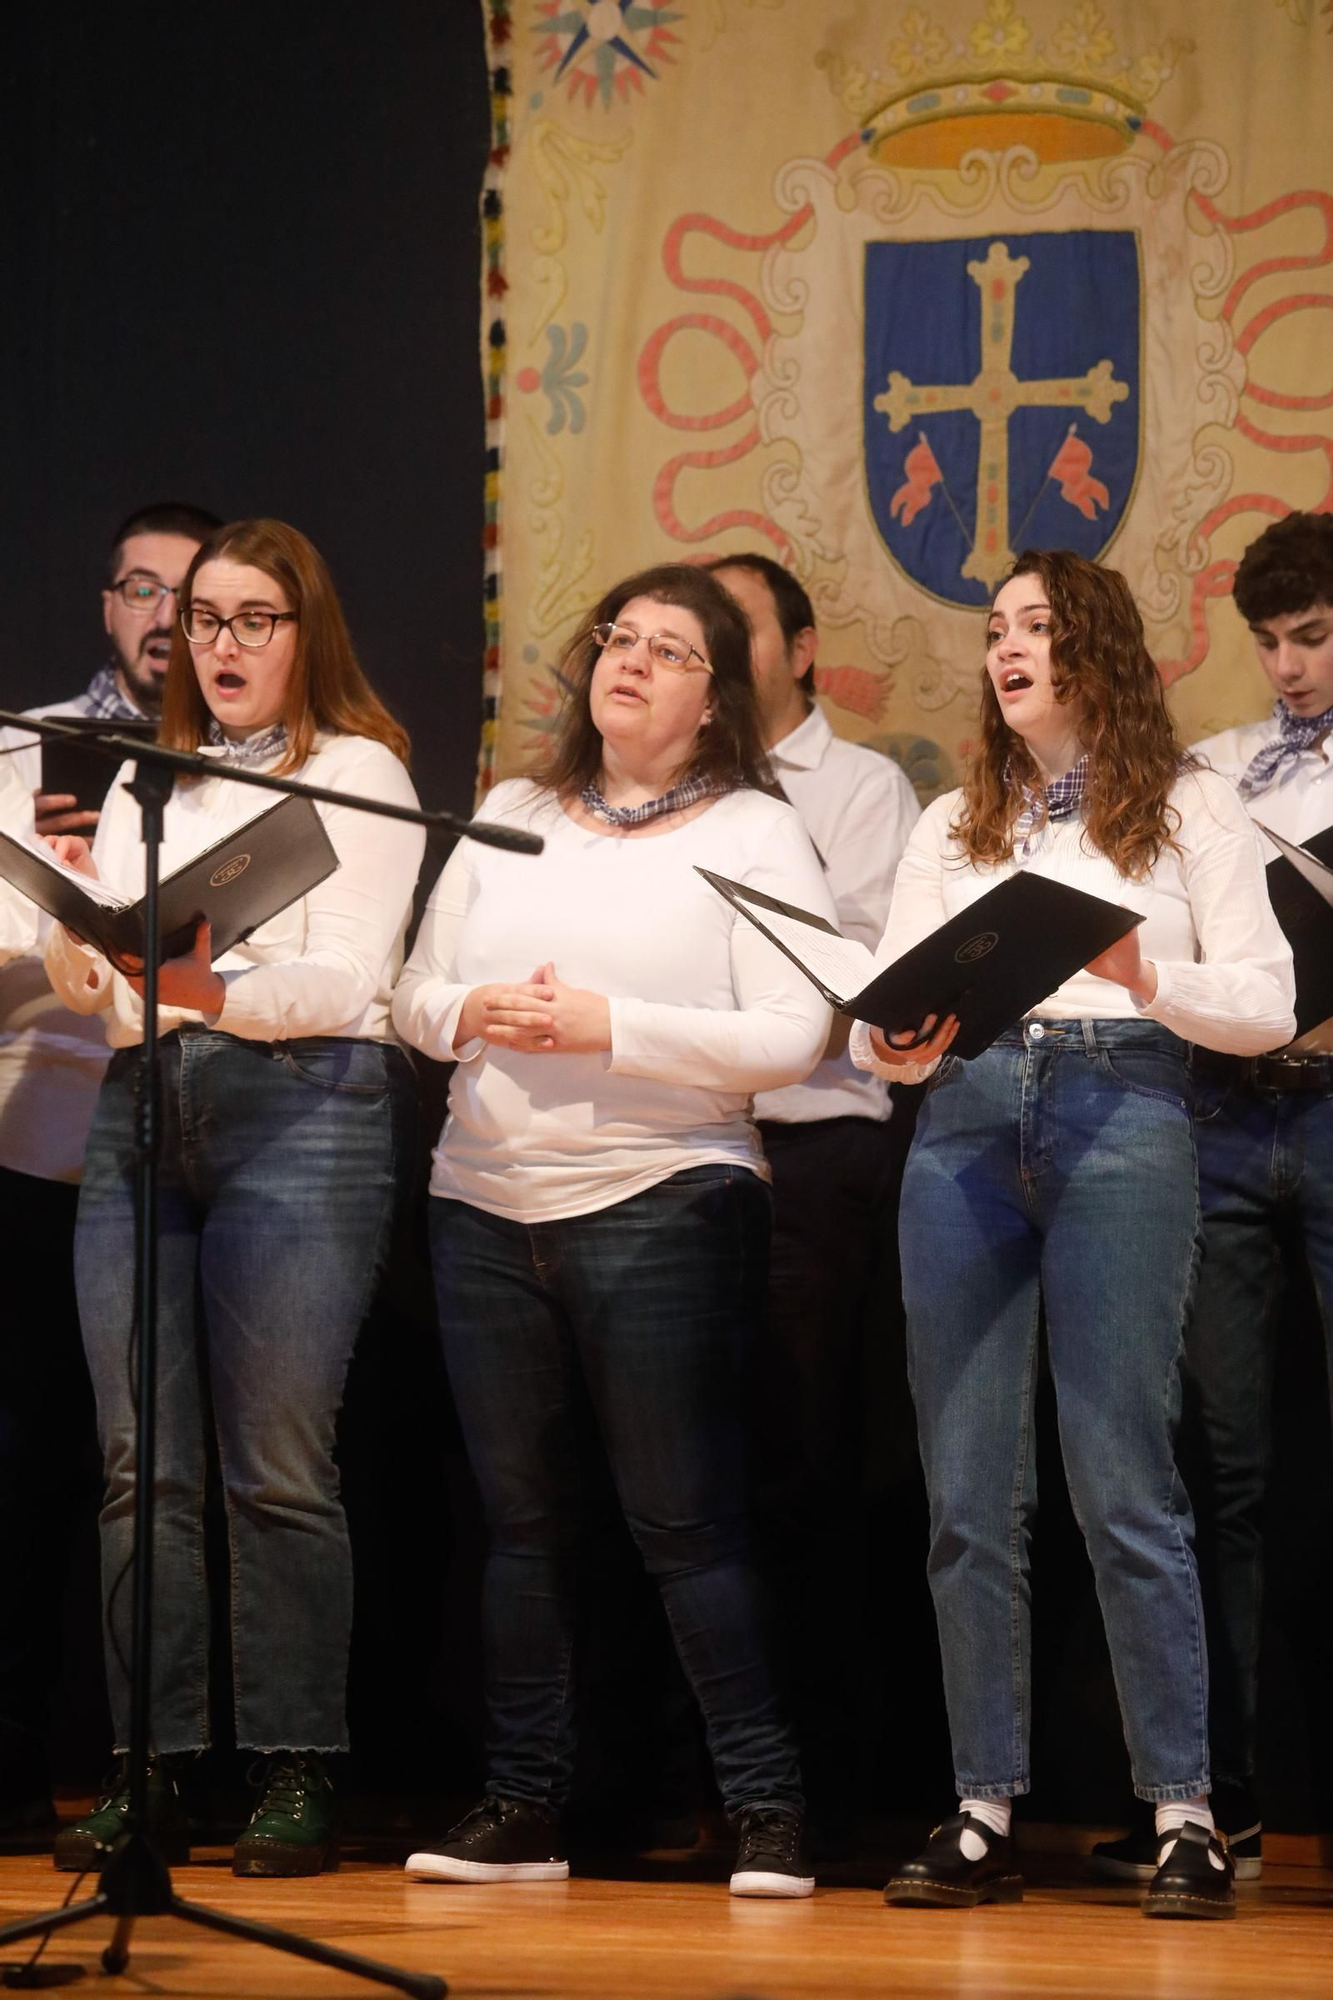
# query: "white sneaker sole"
{"type": "Point", "coordinates": [427, 1867]}
{"type": "Point", "coordinates": [757, 1882]}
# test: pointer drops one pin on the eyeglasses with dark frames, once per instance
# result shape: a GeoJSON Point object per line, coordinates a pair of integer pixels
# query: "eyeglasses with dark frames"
{"type": "Point", "coordinates": [140, 592]}
{"type": "Point", "coordinates": [247, 628]}
{"type": "Point", "coordinates": [666, 648]}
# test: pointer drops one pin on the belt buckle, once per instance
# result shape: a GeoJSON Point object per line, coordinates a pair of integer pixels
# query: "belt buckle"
{"type": "Point", "coordinates": [1292, 1072]}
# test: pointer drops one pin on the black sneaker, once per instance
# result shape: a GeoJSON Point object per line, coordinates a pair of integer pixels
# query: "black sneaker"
{"type": "Point", "coordinates": [500, 1840]}
{"type": "Point", "coordinates": [1190, 1882]}
{"type": "Point", "coordinates": [771, 1857]}
{"type": "Point", "coordinates": [291, 1830]}
{"type": "Point", "coordinates": [942, 1877]}
{"type": "Point", "coordinates": [88, 1842]}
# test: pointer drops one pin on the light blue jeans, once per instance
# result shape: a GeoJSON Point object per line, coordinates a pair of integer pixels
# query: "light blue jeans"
{"type": "Point", "coordinates": [1058, 1168]}
{"type": "Point", "coordinates": [279, 1164]}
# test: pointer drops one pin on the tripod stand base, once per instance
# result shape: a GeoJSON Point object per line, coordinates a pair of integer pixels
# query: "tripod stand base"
{"type": "Point", "coordinates": [135, 1883]}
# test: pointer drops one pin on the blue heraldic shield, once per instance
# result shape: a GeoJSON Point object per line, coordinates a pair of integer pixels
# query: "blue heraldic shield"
{"type": "Point", "coordinates": [1002, 399]}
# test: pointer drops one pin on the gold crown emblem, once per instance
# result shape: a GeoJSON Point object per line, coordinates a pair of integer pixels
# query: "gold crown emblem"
{"type": "Point", "coordinates": [932, 98]}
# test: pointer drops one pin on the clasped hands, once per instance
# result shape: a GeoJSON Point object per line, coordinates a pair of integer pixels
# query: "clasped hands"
{"type": "Point", "coordinates": [540, 1016]}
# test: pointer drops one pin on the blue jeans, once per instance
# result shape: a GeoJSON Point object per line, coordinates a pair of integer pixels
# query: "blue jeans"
{"type": "Point", "coordinates": [1058, 1168]}
{"type": "Point", "coordinates": [279, 1164]}
{"type": "Point", "coordinates": [645, 1312]}
{"type": "Point", "coordinates": [1265, 1171]}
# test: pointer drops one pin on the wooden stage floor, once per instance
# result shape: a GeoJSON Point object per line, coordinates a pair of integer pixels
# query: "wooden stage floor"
{"type": "Point", "coordinates": [677, 1935]}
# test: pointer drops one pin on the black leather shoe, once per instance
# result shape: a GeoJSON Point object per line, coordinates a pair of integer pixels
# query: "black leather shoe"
{"type": "Point", "coordinates": [944, 1879]}
{"type": "Point", "coordinates": [1134, 1859]}
{"type": "Point", "coordinates": [291, 1830]}
{"type": "Point", "coordinates": [1188, 1884]}
{"type": "Point", "coordinates": [88, 1842]}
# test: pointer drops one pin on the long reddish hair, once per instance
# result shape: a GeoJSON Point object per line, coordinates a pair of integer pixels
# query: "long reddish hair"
{"type": "Point", "coordinates": [1099, 658]}
{"type": "Point", "coordinates": [327, 690]}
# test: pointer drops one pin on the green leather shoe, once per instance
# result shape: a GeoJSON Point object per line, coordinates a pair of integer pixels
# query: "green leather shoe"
{"type": "Point", "coordinates": [291, 1829]}
{"type": "Point", "coordinates": [89, 1841]}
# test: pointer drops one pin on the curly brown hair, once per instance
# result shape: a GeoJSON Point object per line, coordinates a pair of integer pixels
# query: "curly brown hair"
{"type": "Point", "coordinates": [730, 751]}
{"type": "Point", "coordinates": [1099, 658]}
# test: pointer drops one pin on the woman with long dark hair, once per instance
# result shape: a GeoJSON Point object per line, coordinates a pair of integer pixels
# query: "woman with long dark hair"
{"type": "Point", "coordinates": [287, 1107]}
{"type": "Point", "coordinates": [1056, 1171]}
{"type": "Point", "coordinates": [600, 1219]}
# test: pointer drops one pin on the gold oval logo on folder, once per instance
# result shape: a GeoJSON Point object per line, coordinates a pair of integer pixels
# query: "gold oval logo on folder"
{"type": "Point", "coordinates": [229, 871]}
{"type": "Point", "coordinates": [976, 947]}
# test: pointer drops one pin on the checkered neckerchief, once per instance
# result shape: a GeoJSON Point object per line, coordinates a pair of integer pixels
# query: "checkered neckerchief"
{"type": "Point", "coordinates": [1061, 799]}
{"type": "Point", "coordinates": [1296, 733]}
{"type": "Point", "coordinates": [260, 748]}
{"type": "Point", "coordinates": [687, 793]}
{"type": "Point", "coordinates": [103, 699]}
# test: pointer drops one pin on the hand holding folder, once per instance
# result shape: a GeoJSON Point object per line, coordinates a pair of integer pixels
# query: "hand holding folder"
{"type": "Point", "coordinates": [988, 965]}
{"type": "Point", "coordinates": [1300, 888]}
{"type": "Point", "coordinates": [235, 885]}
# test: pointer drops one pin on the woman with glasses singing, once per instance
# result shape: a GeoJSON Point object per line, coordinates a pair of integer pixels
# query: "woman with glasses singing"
{"type": "Point", "coordinates": [286, 1116]}
{"type": "Point", "coordinates": [600, 1218]}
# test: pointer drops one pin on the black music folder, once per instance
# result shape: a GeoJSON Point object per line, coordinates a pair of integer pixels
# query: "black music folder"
{"type": "Point", "coordinates": [238, 883]}
{"type": "Point", "coordinates": [1300, 888]}
{"type": "Point", "coordinates": [988, 965]}
{"type": "Point", "coordinates": [69, 766]}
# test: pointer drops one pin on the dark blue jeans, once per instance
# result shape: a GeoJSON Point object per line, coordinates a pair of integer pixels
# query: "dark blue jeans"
{"type": "Point", "coordinates": [1058, 1167]}
{"type": "Point", "coordinates": [279, 1165]}
{"type": "Point", "coordinates": [1265, 1170]}
{"type": "Point", "coordinates": [647, 1310]}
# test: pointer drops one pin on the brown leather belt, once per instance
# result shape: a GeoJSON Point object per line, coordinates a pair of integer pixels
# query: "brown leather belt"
{"type": "Point", "coordinates": [1311, 1072]}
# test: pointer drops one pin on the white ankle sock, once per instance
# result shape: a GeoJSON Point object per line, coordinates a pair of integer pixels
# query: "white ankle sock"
{"type": "Point", "coordinates": [1172, 1816]}
{"type": "Point", "coordinates": [993, 1813]}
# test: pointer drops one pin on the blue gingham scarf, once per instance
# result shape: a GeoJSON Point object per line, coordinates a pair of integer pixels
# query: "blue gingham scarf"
{"type": "Point", "coordinates": [687, 793]}
{"type": "Point", "coordinates": [104, 700]}
{"type": "Point", "coordinates": [1061, 799]}
{"type": "Point", "coordinates": [260, 748]}
{"type": "Point", "coordinates": [1296, 733]}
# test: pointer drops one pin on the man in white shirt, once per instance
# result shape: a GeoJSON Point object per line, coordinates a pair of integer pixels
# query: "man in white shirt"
{"type": "Point", "coordinates": [51, 1064]}
{"type": "Point", "coordinates": [836, 1162]}
{"type": "Point", "coordinates": [1264, 1134]}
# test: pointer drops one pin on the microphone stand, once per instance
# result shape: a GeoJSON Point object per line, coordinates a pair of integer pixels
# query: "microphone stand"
{"type": "Point", "coordinates": [135, 1882]}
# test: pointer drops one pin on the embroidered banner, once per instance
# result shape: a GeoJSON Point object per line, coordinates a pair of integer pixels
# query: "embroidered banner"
{"type": "Point", "coordinates": [890, 292]}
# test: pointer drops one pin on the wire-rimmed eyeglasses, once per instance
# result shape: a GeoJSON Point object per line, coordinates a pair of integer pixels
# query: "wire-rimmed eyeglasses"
{"type": "Point", "coordinates": [668, 649]}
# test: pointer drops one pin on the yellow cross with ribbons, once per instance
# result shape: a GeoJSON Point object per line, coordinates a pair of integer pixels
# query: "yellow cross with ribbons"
{"type": "Point", "coordinates": [992, 397]}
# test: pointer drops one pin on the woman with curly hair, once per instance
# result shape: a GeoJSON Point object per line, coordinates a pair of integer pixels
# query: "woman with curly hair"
{"type": "Point", "coordinates": [1057, 1170]}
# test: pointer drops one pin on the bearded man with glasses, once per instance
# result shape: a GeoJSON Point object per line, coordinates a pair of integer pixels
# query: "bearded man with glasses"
{"type": "Point", "coordinates": [51, 1064]}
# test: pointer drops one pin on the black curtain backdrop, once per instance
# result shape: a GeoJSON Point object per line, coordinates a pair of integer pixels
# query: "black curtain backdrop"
{"type": "Point", "coordinates": [243, 271]}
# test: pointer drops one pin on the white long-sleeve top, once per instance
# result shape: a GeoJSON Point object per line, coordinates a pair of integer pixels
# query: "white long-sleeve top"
{"type": "Point", "coordinates": [1297, 803]}
{"type": "Point", "coordinates": [18, 917]}
{"type": "Point", "coordinates": [326, 965]}
{"type": "Point", "coordinates": [52, 1061]}
{"type": "Point", "coordinates": [859, 808]}
{"type": "Point", "coordinates": [704, 1010]}
{"type": "Point", "coordinates": [1224, 974]}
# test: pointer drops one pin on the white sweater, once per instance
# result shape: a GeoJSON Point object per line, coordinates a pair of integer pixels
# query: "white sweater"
{"type": "Point", "coordinates": [704, 1010]}
{"type": "Point", "coordinates": [1297, 803]}
{"type": "Point", "coordinates": [325, 965]}
{"type": "Point", "coordinates": [18, 917]}
{"type": "Point", "coordinates": [1224, 976]}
